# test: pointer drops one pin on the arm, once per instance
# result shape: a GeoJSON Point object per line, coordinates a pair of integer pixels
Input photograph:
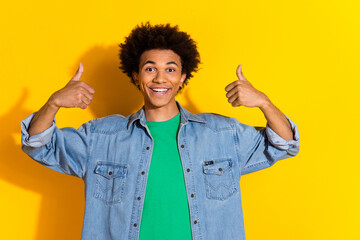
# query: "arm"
{"type": "Point", "coordinates": [277, 121]}
{"type": "Point", "coordinates": [43, 119]}
{"type": "Point", "coordinates": [242, 93]}
{"type": "Point", "coordinates": [261, 147]}
{"type": "Point", "coordinates": [63, 150]}
{"type": "Point", "coordinates": [74, 94]}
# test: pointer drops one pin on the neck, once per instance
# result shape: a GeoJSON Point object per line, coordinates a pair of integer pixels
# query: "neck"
{"type": "Point", "coordinates": [160, 114]}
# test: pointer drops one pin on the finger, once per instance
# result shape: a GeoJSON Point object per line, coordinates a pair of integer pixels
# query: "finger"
{"type": "Point", "coordinates": [233, 91]}
{"type": "Point", "coordinates": [232, 85]}
{"type": "Point", "coordinates": [88, 88]}
{"type": "Point", "coordinates": [85, 100]}
{"type": "Point", "coordinates": [78, 73]}
{"type": "Point", "coordinates": [233, 98]}
{"type": "Point", "coordinates": [235, 104]}
{"type": "Point", "coordinates": [82, 105]}
{"type": "Point", "coordinates": [239, 73]}
{"type": "Point", "coordinates": [87, 94]}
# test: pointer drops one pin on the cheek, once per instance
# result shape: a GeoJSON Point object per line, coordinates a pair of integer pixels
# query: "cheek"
{"type": "Point", "coordinates": [176, 80]}
{"type": "Point", "coordinates": [145, 79]}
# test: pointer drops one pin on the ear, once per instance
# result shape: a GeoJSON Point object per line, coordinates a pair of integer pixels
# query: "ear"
{"type": "Point", "coordinates": [135, 77]}
{"type": "Point", "coordinates": [183, 77]}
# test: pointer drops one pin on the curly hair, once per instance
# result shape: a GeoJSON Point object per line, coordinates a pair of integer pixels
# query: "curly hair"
{"type": "Point", "coordinates": [147, 37]}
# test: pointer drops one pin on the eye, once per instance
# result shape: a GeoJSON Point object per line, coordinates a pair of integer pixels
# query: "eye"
{"type": "Point", "coordinates": [171, 70]}
{"type": "Point", "coordinates": [150, 69]}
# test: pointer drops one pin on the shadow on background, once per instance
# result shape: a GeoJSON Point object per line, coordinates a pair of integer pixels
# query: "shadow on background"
{"type": "Point", "coordinates": [62, 205]}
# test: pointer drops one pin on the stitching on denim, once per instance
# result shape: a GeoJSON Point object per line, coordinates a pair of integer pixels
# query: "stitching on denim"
{"type": "Point", "coordinates": [133, 231]}
{"type": "Point", "coordinates": [266, 162]}
{"type": "Point", "coordinates": [195, 203]}
{"type": "Point", "coordinates": [216, 130]}
{"type": "Point", "coordinates": [231, 189]}
{"type": "Point", "coordinates": [109, 132]}
{"type": "Point", "coordinates": [104, 120]}
{"type": "Point", "coordinates": [41, 140]}
{"type": "Point", "coordinates": [89, 150]}
{"type": "Point", "coordinates": [110, 200]}
{"type": "Point", "coordinates": [65, 171]}
{"type": "Point", "coordinates": [256, 164]}
{"type": "Point", "coordinates": [237, 147]}
{"type": "Point", "coordinates": [101, 193]}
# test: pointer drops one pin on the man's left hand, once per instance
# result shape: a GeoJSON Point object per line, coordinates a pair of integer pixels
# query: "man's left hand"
{"type": "Point", "coordinates": [242, 92]}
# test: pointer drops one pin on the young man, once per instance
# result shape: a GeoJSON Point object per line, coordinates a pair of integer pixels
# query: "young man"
{"type": "Point", "coordinates": [162, 172]}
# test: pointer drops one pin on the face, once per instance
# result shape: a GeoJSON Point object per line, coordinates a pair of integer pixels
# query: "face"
{"type": "Point", "coordinates": [159, 77]}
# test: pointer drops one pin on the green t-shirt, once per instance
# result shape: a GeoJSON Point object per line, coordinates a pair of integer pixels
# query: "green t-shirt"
{"type": "Point", "coordinates": [166, 212]}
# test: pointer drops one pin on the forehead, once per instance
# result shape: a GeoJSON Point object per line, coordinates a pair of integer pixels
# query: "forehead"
{"type": "Point", "coordinates": [160, 56]}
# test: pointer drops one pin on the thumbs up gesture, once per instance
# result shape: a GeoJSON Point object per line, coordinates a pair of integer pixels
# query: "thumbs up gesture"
{"type": "Point", "coordinates": [75, 94]}
{"type": "Point", "coordinates": [242, 92]}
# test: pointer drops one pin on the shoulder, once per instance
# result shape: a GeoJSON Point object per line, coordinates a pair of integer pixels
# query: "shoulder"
{"type": "Point", "coordinates": [217, 121]}
{"type": "Point", "coordinates": [107, 125]}
{"type": "Point", "coordinates": [220, 122]}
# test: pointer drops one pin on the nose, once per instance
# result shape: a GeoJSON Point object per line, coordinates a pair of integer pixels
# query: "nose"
{"type": "Point", "coordinates": [160, 77]}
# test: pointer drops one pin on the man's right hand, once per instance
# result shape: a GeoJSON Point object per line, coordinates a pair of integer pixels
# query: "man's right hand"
{"type": "Point", "coordinates": [76, 94]}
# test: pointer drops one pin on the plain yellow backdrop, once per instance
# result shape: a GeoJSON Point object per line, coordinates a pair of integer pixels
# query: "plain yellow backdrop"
{"type": "Point", "coordinates": [303, 54]}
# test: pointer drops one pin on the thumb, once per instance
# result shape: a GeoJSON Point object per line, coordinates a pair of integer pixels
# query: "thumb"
{"type": "Point", "coordinates": [78, 73]}
{"type": "Point", "coordinates": [239, 73]}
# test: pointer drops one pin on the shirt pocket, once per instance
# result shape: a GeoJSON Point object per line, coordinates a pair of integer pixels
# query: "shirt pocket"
{"type": "Point", "coordinates": [219, 178]}
{"type": "Point", "coordinates": [110, 182]}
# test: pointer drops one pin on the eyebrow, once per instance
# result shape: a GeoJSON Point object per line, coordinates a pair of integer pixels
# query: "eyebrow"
{"type": "Point", "coordinates": [151, 62]}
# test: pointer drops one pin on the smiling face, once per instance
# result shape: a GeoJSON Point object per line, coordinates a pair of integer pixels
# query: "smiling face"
{"type": "Point", "coordinates": [159, 78]}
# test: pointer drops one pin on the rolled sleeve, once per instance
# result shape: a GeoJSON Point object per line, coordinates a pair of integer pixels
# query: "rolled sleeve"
{"type": "Point", "coordinates": [37, 140]}
{"type": "Point", "coordinates": [64, 150]}
{"type": "Point", "coordinates": [261, 147]}
{"type": "Point", "coordinates": [291, 146]}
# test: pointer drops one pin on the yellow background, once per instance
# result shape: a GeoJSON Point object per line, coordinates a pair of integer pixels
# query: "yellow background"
{"type": "Point", "coordinates": [304, 55]}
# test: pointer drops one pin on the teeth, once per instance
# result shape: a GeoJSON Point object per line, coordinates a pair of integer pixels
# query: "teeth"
{"type": "Point", "coordinates": [159, 89]}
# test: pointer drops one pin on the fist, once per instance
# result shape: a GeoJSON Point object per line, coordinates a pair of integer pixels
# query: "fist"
{"type": "Point", "coordinates": [75, 94]}
{"type": "Point", "coordinates": [242, 92]}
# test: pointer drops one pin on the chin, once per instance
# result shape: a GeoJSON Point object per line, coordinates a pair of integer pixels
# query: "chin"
{"type": "Point", "coordinates": [159, 103]}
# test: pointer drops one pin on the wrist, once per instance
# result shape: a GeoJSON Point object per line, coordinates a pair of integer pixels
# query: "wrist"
{"type": "Point", "coordinates": [51, 105]}
{"type": "Point", "coordinates": [266, 104]}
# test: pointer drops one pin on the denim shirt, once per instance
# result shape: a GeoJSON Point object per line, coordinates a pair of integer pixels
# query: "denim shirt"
{"type": "Point", "coordinates": [112, 155]}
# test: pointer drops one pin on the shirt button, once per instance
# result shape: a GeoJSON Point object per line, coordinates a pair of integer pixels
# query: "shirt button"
{"type": "Point", "coordinates": [135, 224]}
{"type": "Point", "coordinates": [142, 172]}
{"type": "Point", "coordinates": [110, 173]}
{"type": "Point", "coordinates": [192, 195]}
{"type": "Point", "coordinates": [147, 148]}
{"type": "Point", "coordinates": [220, 169]}
{"type": "Point", "coordinates": [182, 146]}
{"type": "Point", "coordinates": [195, 222]}
{"type": "Point", "coordinates": [188, 170]}
{"type": "Point", "coordinates": [138, 198]}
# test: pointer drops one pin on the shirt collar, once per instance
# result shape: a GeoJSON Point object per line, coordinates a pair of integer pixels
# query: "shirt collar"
{"type": "Point", "coordinates": [185, 116]}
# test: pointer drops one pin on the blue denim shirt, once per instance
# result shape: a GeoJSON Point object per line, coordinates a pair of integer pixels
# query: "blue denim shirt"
{"type": "Point", "coordinates": [112, 155]}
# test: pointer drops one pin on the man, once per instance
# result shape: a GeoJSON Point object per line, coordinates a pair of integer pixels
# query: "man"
{"type": "Point", "coordinates": [163, 172]}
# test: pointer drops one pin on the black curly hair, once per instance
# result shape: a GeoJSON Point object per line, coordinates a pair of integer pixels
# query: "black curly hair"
{"type": "Point", "coordinates": [146, 37]}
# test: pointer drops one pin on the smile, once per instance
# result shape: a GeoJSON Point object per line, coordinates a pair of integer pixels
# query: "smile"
{"type": "Point", "coordinates": [160, 90]}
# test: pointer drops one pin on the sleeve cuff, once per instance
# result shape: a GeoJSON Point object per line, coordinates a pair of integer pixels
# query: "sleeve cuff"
{"type": "Point", "coordinates": [37, 140]}
{"type": "Point", "coordinates": [281, 143]}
